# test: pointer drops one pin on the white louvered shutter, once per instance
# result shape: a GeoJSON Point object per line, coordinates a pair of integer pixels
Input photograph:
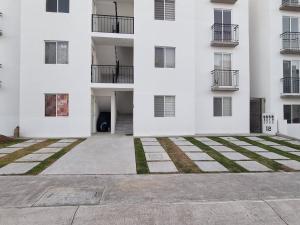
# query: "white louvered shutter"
{"type": "Point", "coordinates": [227, 106]}
{"type": "Point", "coordinates": [169, 106]}
{"type": "Point", "coordinates": [159, 9]}
{"type": "Point", "coordinates": [170, 10]}
{"type": "Point", "coordinates": [159, 106]}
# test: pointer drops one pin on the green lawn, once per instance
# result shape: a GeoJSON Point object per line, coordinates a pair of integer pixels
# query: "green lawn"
{"type": "Point", "coordinates": [140, 158]}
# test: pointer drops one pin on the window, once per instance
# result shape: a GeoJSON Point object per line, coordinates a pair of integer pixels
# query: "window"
{"type": "Point", "coordinates": [165, 10]}
{"type": "Point", "coordinates": [164, 106]}
{"type": "Point", "coordinates": [164, 57]}
{"type": "Point", "coordinates": [56, 105]}
{"type": "Point", "coordinates": [61, 6]}
{"type": "Point", "coordinates": [291, 76]}
{"type": "Point", "coordinates": [292, 114]}
{"type": "Point", "coordinates": [56, 52]}
{"type": "Point", "coordinates": [222, 30]}
{"type": "Point", "coordinates": [222, 106]}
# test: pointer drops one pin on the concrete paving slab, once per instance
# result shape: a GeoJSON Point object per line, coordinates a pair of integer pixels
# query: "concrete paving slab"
{"type": "Point", "coordinates": [290, 163]}
{"type": "Point", "coordinates": [203, 139]}
{"type": "Point", "coordinates": [281, 138]}
{"type": "Point", "coordinates": [212, 143]}
{"type": "Point", "coordinates": [207, 166]}
{"type": "Point", "coordinates": [37, 216]}
{"type": "Point", "coordinates": [157, 157]}
{"type": "Point", "coordinates": [190, 149]}
{"type": "Point", "coordinates": [287, 209]}
{"type": "Point", "coordinates": [58, 145]}
{"type": "Point", "coordinates": [254, 148]}
{"type": "Point", "coordinates": [294, 142]}
{"type": "Point", "coordinates": [34, 157]}
{"type": "Point", "coordinates": [21, 145]}
{"type": "Point", "coordinates": [9, 150]}
{"type": "Point", "coordinates": [17, 168]}
{"type": "Point", "coordinates": [269, 143]}
{"type": "Point", "coordinates": [148, 139]}
{"type": "Point", "coordinates": [254, 138]}
{"type": "Point", "coordinates": [199, 156]}
{"type": "Point", "coordinates": [183, 143]}
{"type": "Point", "coordinates": [229, 138]}
{"type": "Point", "coordinates": [70, 197]}
{"type": "Point", "coordinates": [151, 149]}
{"type": "Point", "coordinates": [47, 150]}
{"type": "Point", "coordinates": [2, 155]}
{"type": "Point", "coordinates": [71, 140]}
{"type": "Point", "coordinates": [101, 154]}
{"type": "Point", "coordinates": [222, 149]}
{"type": "Point", "coordinates": [151, 143]}
{"type": "Point", "coordinates": [240, 143]}
{"type": "Point", "coordinates": [295, 153]}
{"type": "Point", "coordinates": [162, 167]}
{"type": "Point", "coordinates": [234, 156]}
{"type": "Point", "coordinates": [177, 139]}
{"type": "Point", "coordinates": [286, 148]}
{"type": "Point", "coordinates": [271, 155]}
{"type": "Point", "coordinates": [253, 166]}
{"type": "Point", "coordinates": [35, 141]}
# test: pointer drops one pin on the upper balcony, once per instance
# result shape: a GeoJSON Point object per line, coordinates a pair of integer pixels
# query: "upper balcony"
{"type": "Point", "coordinates": [224, 1]}
{"type": "Point", "coordinates": [290, 43]}
{"type": "Point", "coordinates": [290, 87]}
{"type": "Point", "coordinates": [225, 35]}
{"type": "Point", "coordinates": [225, 80]}
{"type": "Point", "coordinates": [112, 74]}
{"type": "Point", "coordinates": [290, 5]}
{"type": "Point", "coordinates": [113, 16]}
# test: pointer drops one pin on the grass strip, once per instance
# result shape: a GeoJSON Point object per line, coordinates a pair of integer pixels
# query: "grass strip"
{"type": "Point", "coordinates": [13, 142]}
{"type": "Point", "coordinates": [285, 143]}
{"type": "Point", "coordinates": [9, 158]}
{"type": "Point", "coordinates": [49, 161]}
{"type": "Point", "coordinates": [140, 158]}
{"type": "Point", "coordinates": [182, 162]}
{"type": "Point", "coordinates": [252, 155]}
{"type": "Point", "coordinates": [274, 150]}
{"type": "Point", "coordinates": [229, 164]}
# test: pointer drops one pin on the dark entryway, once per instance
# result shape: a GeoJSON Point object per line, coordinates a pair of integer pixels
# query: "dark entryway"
{"type": "Point", "coordinates": [256, 111]}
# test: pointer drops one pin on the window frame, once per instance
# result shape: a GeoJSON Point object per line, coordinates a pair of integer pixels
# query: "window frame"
{"type": "Point", "coordinates": [57, 7]}
{"type": "Point", "coordinates": [164, 11]}
{"type": "Point", "coordinates": [222, 107]}
{"type": "Point", "coordinates": [57, 114]}
{"type": "Point", "coordinates": [291, 118]}
{"type": "Point", "coordinates": [56, 52]}
{"type": "Point", "coordinates": [166, 114]}
{"type": "Point", "coordinates": [164, 57]}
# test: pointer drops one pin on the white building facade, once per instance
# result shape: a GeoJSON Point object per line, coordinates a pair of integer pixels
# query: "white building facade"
{"type": "Point", "coordinates": [275, 62]}
{"type": "Point", "coordinates": [146, 67]}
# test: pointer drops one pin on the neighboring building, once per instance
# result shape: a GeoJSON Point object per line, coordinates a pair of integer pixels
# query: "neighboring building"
{"type": "Point", "coordinates": [275, 63]}
{"type": "Point", "coordinates": [160, 67]}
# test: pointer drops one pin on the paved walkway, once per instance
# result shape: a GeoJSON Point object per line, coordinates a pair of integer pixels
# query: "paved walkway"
{"type": "Point", "coordinates": [210, 199]}
{"type": "Point", "coordinates": [103, 154]}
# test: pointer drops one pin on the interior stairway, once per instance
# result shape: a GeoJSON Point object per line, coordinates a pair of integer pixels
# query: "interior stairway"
{"type": "Point", "coordinates": [124, 124]}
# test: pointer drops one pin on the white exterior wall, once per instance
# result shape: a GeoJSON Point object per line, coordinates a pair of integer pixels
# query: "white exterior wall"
{"type": "Point", "coordinates": [10, 60]}
{"type": "Point", "coordinates": [37, 78]}
{"type": "Point", "coordinates": [267, 61]}
{"type": "Point", "coordinates": [206, 123]}
{"type": "Point", "coordinates": [150, 81]}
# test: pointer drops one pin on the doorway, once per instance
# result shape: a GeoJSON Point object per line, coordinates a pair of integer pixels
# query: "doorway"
{"type": "Point", "coordinates": [256, 111]}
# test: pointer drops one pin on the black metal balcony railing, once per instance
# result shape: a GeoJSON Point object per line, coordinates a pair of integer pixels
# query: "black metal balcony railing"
{"type": "Point", "coordinates": [225, 33]}
{"type": "Point", "coordinates": [113, 24]}
{"type": "Point", "coordinates": [290, 42]}
{"type": "Point", "coordinates": [227, 79]}
{"type": "Point", "coordinates": [293, 5]}
{"type": "Point", "coordinates": [112, 74]}
{"type": "Point", "coordinates": [291, 85]}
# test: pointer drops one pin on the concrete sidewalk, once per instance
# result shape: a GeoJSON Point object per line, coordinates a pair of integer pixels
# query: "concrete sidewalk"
{"type": "Point", "coordinates": [102, 154]}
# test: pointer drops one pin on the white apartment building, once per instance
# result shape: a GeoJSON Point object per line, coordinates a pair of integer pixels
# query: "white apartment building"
{"type": "Point", "coordinates": [72, 68]}
{"type": "Point", "coordinates": [275, 63]}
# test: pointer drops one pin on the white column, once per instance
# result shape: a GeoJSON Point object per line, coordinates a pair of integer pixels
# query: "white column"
{"type": "Point", "coordinates": [113, 112]}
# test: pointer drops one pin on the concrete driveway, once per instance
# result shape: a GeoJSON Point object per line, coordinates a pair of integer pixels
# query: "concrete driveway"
{"type": "Point", "coordinates": [102, 154]}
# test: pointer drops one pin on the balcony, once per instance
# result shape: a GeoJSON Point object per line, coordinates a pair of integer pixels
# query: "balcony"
{"type": "Point", "coordinates": [290, 5]}
{"type": "Point", "coordinates": [224, 1]}
{"type": "Point", "coordinates": [290, 43]}
{"type": "Point", "coordinates": [112, 74]}
{"type": "Point", "coordinates": [290, 87]}
{"type": "Point", "coordinates": [225, 35]}
{"type": "Point", "coordinates": [112, 24]}
{"type": "Point", "coordinates": [225, 80]}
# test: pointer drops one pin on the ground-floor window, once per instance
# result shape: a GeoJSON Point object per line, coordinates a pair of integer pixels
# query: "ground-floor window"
{"type": "Point", "coordinates": [56, 105]}
{"type": "Point", "coordinates": [164, 106]}
{"type": "Point", "coordinates": [222, 106]}
{"type": "Point", "coordinates": [292, 113]}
